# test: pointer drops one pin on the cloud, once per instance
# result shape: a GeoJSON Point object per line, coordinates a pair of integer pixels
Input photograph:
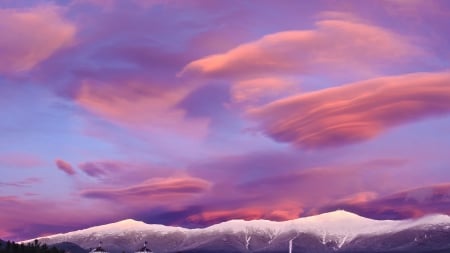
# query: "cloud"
{"type": "Point", "coordinates": [162, 189]}
{"type": "Point", "coordinates": [31, 36]}
{"type": "Point", "coordinates": [279, 213]}
{"type": "Point", "coordinates": [354, 112]}
{"type": "Point", "coordinates": [401, 205]}
{"type": "Point", "coordinates": [140, 106]}
{"type": "Point", "coordinates": [224, 215]}
{"type": "Point", "coordinates": [117, 82]}
{"type": "Point", "coordinates": [65, 166]}
{"type": "Point", "coordinates": [319, 185]}
{"type": "Point", "coordinates": [334, 45]}
{"type": "Point", "coordinates": [293, 183]}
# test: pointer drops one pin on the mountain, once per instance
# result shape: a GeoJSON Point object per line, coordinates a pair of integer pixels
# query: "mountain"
{"type": "Point", "coordinates": [338, 231]}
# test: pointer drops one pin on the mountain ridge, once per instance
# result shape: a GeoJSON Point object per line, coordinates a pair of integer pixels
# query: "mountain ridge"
{"type": "Point", "coordinates": [334, 230]}
{"type": "Point", "coordinates": [334, 215]}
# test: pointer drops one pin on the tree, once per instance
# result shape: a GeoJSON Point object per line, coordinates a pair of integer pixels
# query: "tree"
{"type": "Point", "coordinates": [34, 247]}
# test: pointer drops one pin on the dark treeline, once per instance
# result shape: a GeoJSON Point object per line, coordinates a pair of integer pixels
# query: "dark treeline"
{"type": "Point", "coordinates": [34, 247]}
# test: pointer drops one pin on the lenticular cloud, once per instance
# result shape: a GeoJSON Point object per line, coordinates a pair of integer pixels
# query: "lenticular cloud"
{"type": "Point", "coordinates": [354, 112]}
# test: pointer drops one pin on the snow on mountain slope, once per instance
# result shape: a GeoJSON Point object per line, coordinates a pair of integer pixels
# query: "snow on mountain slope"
{"type": "Point", "coordinates": [338, 228]}
{"type": "Point", "coordinates": [117, 228]}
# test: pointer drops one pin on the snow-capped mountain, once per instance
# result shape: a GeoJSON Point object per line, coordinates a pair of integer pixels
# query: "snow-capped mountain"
{"type": "Point", "coordinates": [338, 231]}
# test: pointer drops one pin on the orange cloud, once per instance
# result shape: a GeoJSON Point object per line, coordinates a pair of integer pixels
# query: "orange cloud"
{"type": "Point", "coordinates": [31, 36]}
{"type": "Point", "coordinates": [354, 112]}
{"type": "Point", "coordinates": [334, 44]}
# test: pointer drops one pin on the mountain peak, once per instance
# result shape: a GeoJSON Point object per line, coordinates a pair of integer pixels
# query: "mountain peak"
{"type": "Point", "coordinates": [341, 214]}
{"type": "Point", "coordinates": [127, 224]}
{"type": "Point", "coordinates": [128, 221]}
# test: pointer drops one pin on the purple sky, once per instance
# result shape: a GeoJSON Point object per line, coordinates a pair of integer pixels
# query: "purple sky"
{"type": "Point", "coordinates": [195, 112]}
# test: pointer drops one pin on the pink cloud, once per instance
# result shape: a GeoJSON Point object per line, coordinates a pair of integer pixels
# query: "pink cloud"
{"type": "Point", "coordinates": [155, 189]}
{"type": "Point", "coordinates": [65, 166]}
{"type": "Point", "coordinates": [31, 36]}
{"type": "Point", "coordinates": [140, 106]}
{"type": "Point", "coordinates": [334, 45]}
{"type": "Point", "coordinates": [280, 212]}
{"type": "Point", "coordinates": [224, 215]}
{"type": "Point", "coordinates": [354, 112]}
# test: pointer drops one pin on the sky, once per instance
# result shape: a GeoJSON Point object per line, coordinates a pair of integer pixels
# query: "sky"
{"type": "Point", "coordinates": [194, 112]}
